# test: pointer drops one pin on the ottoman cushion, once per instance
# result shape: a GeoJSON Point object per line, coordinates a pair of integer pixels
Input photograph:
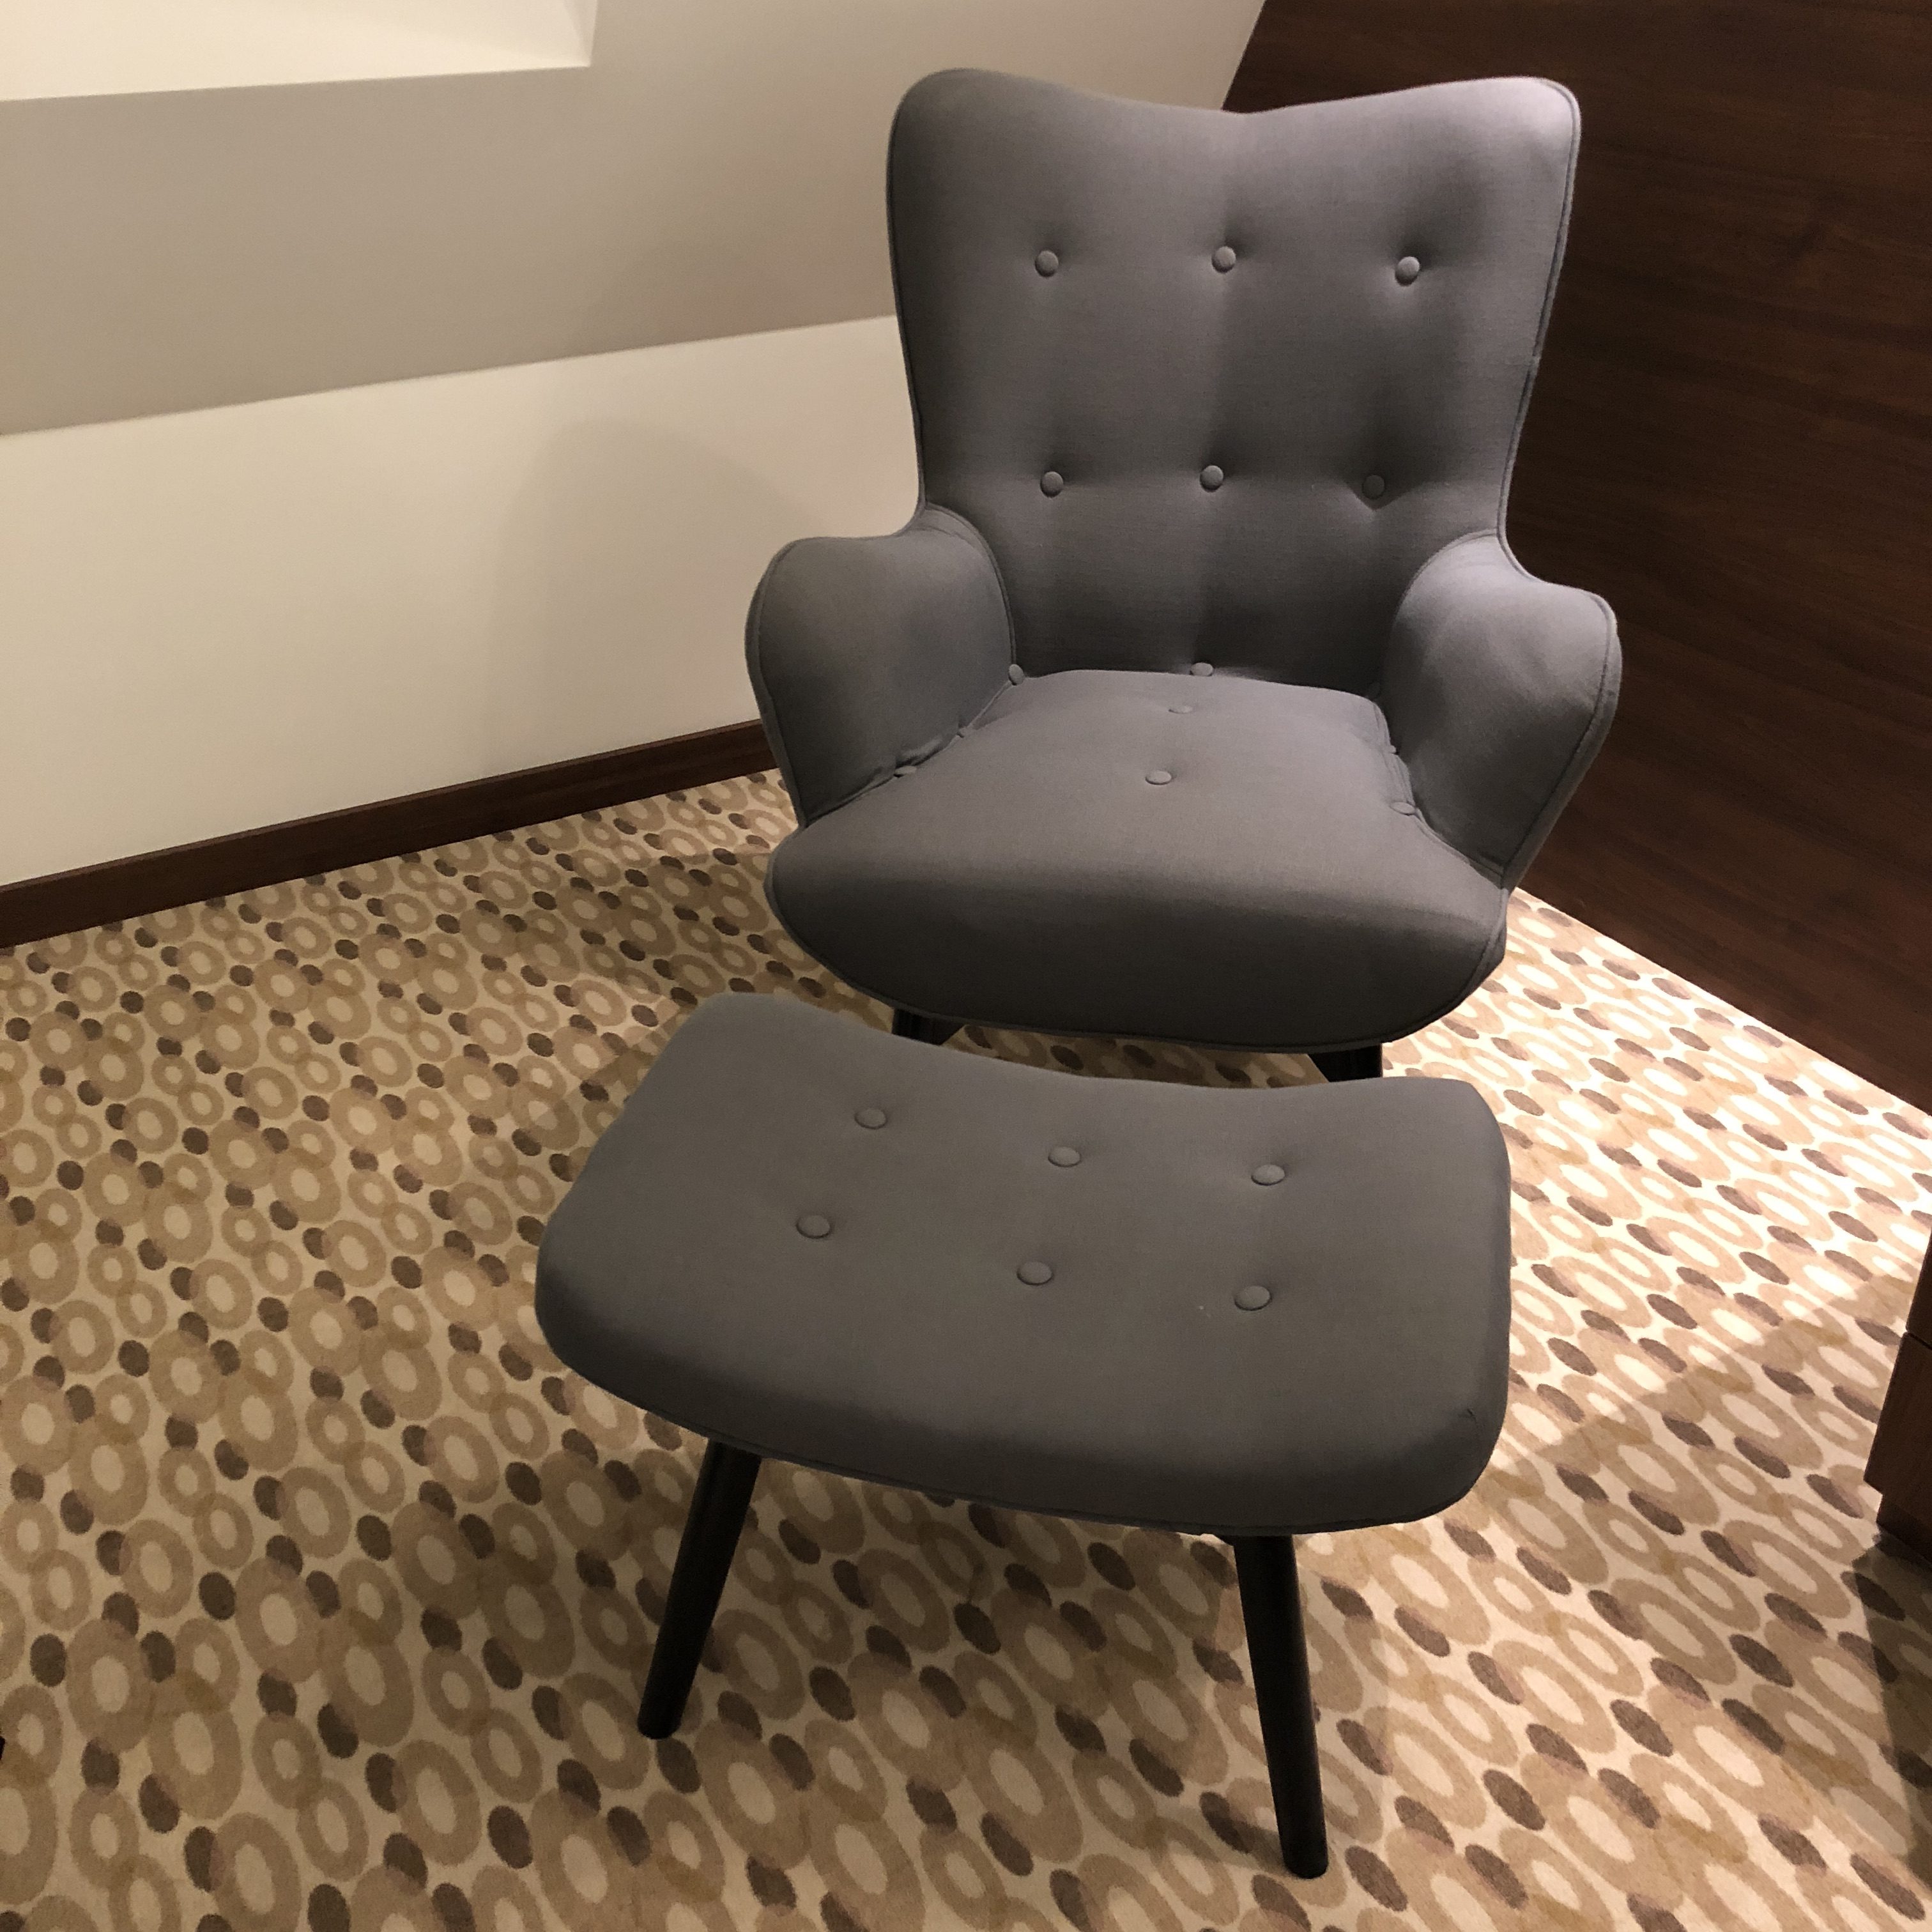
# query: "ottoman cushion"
{"type": "Point", "coordinates": [1248, 1312]}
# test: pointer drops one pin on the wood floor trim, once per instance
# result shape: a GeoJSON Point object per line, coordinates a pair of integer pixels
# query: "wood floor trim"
{"type": "Point", "coordinates": [184, 874]}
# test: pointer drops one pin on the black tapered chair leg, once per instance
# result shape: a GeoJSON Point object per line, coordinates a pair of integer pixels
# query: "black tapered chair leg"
{"type": "Point", "coordinates": [1349, 1062]}
{"type": "Point", "coordinates": [717, 1506]}
{"type": "Point", "coordinates": [1278, 1661]}
{"type": "Point", "coordinates": [917, 1026]}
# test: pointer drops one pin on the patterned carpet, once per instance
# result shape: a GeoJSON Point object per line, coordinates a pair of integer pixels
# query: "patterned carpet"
{"type": "Point", "coordinates": [326, 1597]}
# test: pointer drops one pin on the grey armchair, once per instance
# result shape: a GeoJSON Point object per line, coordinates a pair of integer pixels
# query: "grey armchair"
{"type": "Point", "coordinates": [1202, 698]}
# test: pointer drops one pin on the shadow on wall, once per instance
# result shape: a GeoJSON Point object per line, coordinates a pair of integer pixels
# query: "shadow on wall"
{"type": "Point", "coordinates": [628, 557]}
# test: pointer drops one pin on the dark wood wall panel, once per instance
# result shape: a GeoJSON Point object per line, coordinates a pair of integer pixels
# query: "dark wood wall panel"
{"type": "Point", "coordinates": [1731, 440]}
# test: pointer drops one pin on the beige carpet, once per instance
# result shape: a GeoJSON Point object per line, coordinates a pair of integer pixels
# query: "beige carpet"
{"type": "Point", "coordinates": [326, 1598]}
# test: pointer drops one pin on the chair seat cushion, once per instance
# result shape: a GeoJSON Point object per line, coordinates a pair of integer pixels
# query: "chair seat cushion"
{"type": "Point", "coordinates": [1256, 1312]}
{"type": "Point", "coordinates": [1216, 860]}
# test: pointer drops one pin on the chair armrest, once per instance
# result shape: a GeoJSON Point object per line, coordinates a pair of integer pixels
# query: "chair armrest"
{"type": "Point", "coordinates": [1499, 688]}
{"type": "Point", "coordinates": [867, 653]}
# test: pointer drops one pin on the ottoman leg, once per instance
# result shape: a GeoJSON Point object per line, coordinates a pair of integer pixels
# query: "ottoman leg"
{"type": "Point", "coordinates": [717, 1506]}
{"type": "Point", "coordinates": [1278, 1654]}
{"type": "Point", "coordinates": [917, 1026]}
{"type": "Point", "coordinates": [1349, 1062]}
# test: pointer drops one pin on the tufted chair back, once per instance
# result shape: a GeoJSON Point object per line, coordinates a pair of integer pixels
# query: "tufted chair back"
{"type": "Point", "coordinates": [1214, 387]}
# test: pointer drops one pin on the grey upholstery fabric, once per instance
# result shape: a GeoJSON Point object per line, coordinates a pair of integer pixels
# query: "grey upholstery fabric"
{"type": "Point", "coordinates": [811, 1241]}
{"type": "Point", "coordinates": [877, 650]}
{"type": "Point", "coordinates": [1492, 777]}
{"type": "Point", "coordinates": [1235, 392]}
{"type": "Point", "coordinates": [1037, 841]}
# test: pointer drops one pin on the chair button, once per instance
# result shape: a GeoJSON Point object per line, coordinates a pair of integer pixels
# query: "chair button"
{"type": "Point", "coordinates": [1052, 483]}
{"type": "Point", "coordinates": [814, 1227]}
{"type": "Point", "coordinates": [1047, 261]}
{"type": "Point", "coordinates": [1181, 710]}
{"type": "Point", "coordinates": [1223, 258]}
{"type": "Point", "coordinates": [1200, 671]}
{"type": "Point", "coordinates": [1252, 1297]}
{"type": "Point", "coordinates": [1372, 487]}
{"type": "Point", "coordinates": [1268, 1174]}
{"type": "Point", "coordinates": [1160, 778]}
{"type": "Point", "coordinates": [871, 1116]}
{"type": "Point", "coordinates": [1035, 1274]}
{"type": "Point", "coordinates": [1014, 675]}
{"type": "Point", "coordinates": [1064, 1157]}
{"type": "Point", "coordinates": [1212, 477]}
{"type": "Point", "coordinates": [1407, 269]}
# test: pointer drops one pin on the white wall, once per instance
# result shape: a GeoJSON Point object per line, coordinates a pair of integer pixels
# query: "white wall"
{"type": "Point", "coordinates": [51, 48]}
{"type": "Point", "coordinates": [262, 555]}
{"type": "Point", "coordinates": [229, 618]}
{"type": "Point", "coordinates": [717, 169]}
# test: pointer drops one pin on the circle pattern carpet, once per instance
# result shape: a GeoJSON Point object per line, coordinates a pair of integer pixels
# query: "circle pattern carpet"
{"type": "Point", "coordinates": [325, 1596]}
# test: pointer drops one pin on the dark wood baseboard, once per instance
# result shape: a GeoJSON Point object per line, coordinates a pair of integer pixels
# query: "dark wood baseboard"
{"type": "Point", "coordinates": [123, 888]}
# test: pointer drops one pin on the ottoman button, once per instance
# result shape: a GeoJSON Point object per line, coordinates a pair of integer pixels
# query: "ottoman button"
{"type": "Point", "coordinates": [1253, 1297]}
{"type": "Point", "coordinates": [814, 1227]}
{"type": "Point", "coordinates": [1064, 1157]}
{"type": "Point", "coordinates": [871, 1116]}
{"type": "Point", "coordinates": [1035, 1274]}
{"type": "Point", "coordinates": [1267, 1174]}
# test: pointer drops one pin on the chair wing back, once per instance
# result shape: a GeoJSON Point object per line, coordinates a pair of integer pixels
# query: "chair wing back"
{"type": "Point", "coordinates": [1214, 386]}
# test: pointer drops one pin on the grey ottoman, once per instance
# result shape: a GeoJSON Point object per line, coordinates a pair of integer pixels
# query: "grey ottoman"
{"type": "Point", "coordinates": [1251, 1314]}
